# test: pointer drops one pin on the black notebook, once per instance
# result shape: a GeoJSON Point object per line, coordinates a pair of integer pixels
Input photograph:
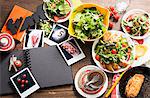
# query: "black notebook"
{"type": "Point", "coordinates": [47, 66]}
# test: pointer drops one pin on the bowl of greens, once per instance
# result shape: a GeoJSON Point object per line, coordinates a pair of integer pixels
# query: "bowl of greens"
{"type": "Point", "coordinates": [88, 22]}
{"type": "Point", "coordinates": [57, 10]}
{"type": "Point", "coordinates": [114, 52]}
{"type": "Point", "coordinates": [45, 25]}
{"type": "Point", "coordinates": [136, 24]}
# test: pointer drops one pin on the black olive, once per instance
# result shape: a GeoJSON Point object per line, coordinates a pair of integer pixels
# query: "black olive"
{"type": "Point", "coordinates": [146, 15]}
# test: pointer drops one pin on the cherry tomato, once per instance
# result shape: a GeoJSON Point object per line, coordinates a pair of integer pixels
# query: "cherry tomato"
{"type": "Point", "coordinates": [128, 29]}
{"type": "Point", "coordinates": [19, 80]}
{"type": "Point", "coordinates": [111, 25]}
{"type": "Point", "coordinates": [26, 81]}
{"type": "Point", "coordinates": [116, 16]}
{"type": "Point", "coordinates": [136, 58]}
{"type": "Point", "coordinates": [111, 14]}
{"type": "Point", "coordinates": [22, 85]}
{"type": "Point", "coordinates": [24, 76]}
{"type": "Point", "coordinates": [97, 57]}
{"type": "Point", "coordinates": [56, 18]}
{"type": "Point", "coordinates": [18, 63]}
{"type": "Point", "coordinates": [22, 81]}
{"type": "Point", "coordinates": [114, 12]}
{"type": "Point", "coordinates": [140, 41]}
{"type": "Point", "coordinates": [113, 51]}
{"type": "Point", "coordinates": [112, 8]}
{"type": "Point", "coordinates": [124, 45]}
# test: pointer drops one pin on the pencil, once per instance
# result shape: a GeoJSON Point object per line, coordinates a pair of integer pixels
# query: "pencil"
{"type": "Point", "coordinates": [114, 85]}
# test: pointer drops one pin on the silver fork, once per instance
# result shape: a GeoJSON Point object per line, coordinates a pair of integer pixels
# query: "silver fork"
{"type": "Point", "coordinates": [94, 79]}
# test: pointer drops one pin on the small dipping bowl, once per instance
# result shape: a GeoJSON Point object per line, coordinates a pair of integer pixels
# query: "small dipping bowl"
{"type": "Point", "coordinates": [86, 74]}
{"type": "Point", "coordinates": [87, 77]}
{"type": "Point", "coordinates": [6, 42]}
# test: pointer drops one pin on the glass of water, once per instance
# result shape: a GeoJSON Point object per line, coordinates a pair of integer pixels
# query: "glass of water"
{"type": "Point", "coordinates": [122, 5]}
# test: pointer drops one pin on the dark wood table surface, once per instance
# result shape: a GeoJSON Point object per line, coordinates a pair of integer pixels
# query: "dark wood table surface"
{"type": "Point", "coordinates": [67, 91]}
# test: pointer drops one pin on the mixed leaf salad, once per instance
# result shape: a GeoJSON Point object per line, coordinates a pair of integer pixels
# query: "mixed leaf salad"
{"type": "Point", "coordinates": [57, 9]}
{"type": "Point", "coordinates": [88, 24]}
{"type": "Point", "coordinates": [47, 26]}
{"type": "Point", "coordinates": [137, 24]}
{"type": "Point", "coordinates": [114, 54]}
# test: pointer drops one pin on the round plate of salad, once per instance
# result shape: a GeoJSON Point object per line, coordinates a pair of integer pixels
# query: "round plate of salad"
{"type": "Point", "coordinates": [136, 24]}
{"type": "Point", "coordinates": [114, 52]}
{"type": "Point", "coordinates": [88, 22]}
{"type": "Point", "coordinates": [57, 10]}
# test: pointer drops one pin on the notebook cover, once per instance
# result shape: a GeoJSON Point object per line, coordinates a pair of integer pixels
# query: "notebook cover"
{"type": "Point", "coordinates": [49, 67]}
{"type": "Point", "coordinates": [15, 14]}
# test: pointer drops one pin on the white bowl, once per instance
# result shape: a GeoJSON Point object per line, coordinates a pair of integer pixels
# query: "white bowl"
{"type": "Point", "coordinates": [131, 12]}
{"type": "Point", "coordinates": [78, 75]}
{"type": "Point", "coordinates": [60, 20]}
{"type": "Point", "coordinates": [99, 64]}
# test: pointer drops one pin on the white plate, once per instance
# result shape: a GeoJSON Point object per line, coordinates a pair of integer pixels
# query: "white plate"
{"type": "Point", "coordinates": [131, 12]}
{"type": "Point", "coordinates": [60, 20]}
{"type": "Point", "coordinates": [98, 63]}
{"type": "Point", "coordinates": [90, 67]}
{"type": "Point", "coordinates": [146, 57]}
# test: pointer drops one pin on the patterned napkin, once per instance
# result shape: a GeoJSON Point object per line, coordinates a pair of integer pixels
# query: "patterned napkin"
{"type": "Point", "coordinates": [115, 93]}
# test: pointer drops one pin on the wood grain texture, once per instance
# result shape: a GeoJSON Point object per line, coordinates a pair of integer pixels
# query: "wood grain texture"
{"type": "Point", "coordinates": [69, 90]}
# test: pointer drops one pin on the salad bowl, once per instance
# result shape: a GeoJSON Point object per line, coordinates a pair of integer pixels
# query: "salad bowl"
{"type": "Point", "coordinates": [136, 24]}
{"type": "Point", "coordinates": [107, 58]}
{"type": "Point", "coordinates": [57, 10]}
{"type": "Point", "coordinates": [77, 17]}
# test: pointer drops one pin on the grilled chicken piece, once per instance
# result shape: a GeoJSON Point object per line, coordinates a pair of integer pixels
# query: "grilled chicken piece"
{"type": "Point", "coordinates": [134, 85]}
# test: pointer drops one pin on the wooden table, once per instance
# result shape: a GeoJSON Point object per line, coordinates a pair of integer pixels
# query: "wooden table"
{"type": "Point", "coordinates": [69, 90]}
